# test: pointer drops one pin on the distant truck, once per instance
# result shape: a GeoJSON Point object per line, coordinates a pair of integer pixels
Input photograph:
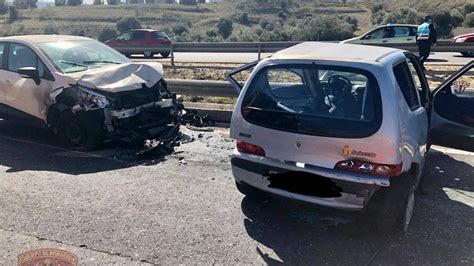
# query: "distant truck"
{"type": "Point", "coordinates": [142, 41]}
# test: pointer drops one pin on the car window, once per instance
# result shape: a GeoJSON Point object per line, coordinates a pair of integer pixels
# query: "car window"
{"type": "Point", "coordinates": [124, 37]}
{"type": "Point", "coordinates": [402, 32]}
{"type": "Point", "coordinates": [413, 31]}
{"type": "Point", "coordinates": [2, 47]}
{"type": "Point", "coordinates": [138, 35]}
{"type": "Point", "coordinates": [159, 35]}
{"type": "Point", "coordinates": [75, 56]}
{"type": "Point", "coordinates": [407, 85]}
{"type": "Point", "coordinates": [381, 33]}
{"type": "Point", "coordinates": [20, 56]}
{"type": "Point", "coordinates": [314, 100]}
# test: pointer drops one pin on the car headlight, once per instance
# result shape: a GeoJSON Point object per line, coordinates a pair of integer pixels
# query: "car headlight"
{"type": "Point", "coordinates": [459, 40]}
{"type": "Point", "coordinates": [90, 96]}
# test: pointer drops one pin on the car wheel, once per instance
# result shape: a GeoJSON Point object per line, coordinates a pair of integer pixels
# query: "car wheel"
{"type": "Point", "coordinates": [148, 54]}
{"type": "Point", "coordinates": [81, 131]}
{"type": "Point", "coordinates": [394, 205]}
{"type": "Point", "coordinates": [165, 55]}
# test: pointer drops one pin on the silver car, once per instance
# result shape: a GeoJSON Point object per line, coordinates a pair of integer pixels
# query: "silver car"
{"type": "Point", "coordinates": [84, 91]}
{"type": "Point", "coordinates": [345, 126]}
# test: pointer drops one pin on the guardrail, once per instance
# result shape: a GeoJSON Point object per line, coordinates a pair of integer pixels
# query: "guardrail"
{"type": "Point", "coordinates": [271, 47]}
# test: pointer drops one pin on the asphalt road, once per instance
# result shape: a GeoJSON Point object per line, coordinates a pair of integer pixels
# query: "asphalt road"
{"type": "Point", "coordinates": [436, 58]}
{"type": "Point", "coordinates": [107, 207]}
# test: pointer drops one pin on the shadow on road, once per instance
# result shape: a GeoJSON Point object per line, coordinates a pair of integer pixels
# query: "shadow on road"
{"type": "Point", "coordinates": [436, 60]}
{"type": "Point", "coordinates": [440, 232]}
{"type": "Point", "coordinates": [25, 147]}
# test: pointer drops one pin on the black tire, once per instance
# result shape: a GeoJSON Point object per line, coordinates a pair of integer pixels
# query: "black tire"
{"type": "Point", "coordinates": [148, 54]}
{"type": "Point", "coordinates": [82, 131]}
{"type": "Point", "coordinates": [165, 54]}
{"type": "Point", "coordinates": [394, 205]}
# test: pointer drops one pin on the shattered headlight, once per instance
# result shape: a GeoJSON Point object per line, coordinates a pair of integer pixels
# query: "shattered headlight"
{"type": "Point", "coordinates": [89, 96]}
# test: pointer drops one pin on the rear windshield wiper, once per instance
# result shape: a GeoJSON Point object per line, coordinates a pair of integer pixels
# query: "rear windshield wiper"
{"type": "Point", "coordinates": [101, 61]}
{"type": "Point", "coordinates": [72, 63]}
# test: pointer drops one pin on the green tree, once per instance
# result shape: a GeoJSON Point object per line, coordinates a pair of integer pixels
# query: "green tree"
{"type": "Point", "coordinates": [107, 34]}
{"type": "Point", "coordinates": [13, 14]}
{"type": "Point", "coordinates": [128, 23]}
{"type": "Point", "coordinates": [468, 8]}
{"type": "Point", "coordinates": [445, 23]}
{"type": "Point", "coordinates": [225, 27]}
{"type": "Point", "coordinates": [323, 28]}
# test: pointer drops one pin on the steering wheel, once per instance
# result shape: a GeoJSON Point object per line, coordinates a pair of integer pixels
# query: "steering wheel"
{"type": "Point", "coordinates": [347, 86]}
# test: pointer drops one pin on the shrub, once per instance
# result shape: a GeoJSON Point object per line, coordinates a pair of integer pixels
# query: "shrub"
{"type": "Point", "coordinates": [468, 8]}
{"type": "Point", "coordinates": [107, 34]}
{"type": "Point", "coordinates": [244, 19]}
{"type": "Point", "coordinates": [405, 15]}
{"type": "Point", "coordinates": [179, 29]}
{"type": "Point", "coordinates": [469, 20]}
{"type": "Point", "coordinates": [211, 33]}
{"type": "Point", "coordinates": [323, 28]}
{"type": "Point", "coordinates": [128, 23]}
{"type": "Point", "coordinates": [13, 14]}
{"type": "Point", "coordinates": [225, 27]}
{"type": "Point", "coordinates": [445, 23]}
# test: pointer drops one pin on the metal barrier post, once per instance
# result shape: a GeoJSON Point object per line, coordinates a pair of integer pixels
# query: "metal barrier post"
{"type": "Point", "coordinates": [259, 51]}
{"type": "Point", "coordinates": [172, 54]}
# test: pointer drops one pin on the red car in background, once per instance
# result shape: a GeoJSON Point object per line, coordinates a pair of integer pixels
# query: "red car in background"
{"type": "Point", "coordinates": [465, 38]}
{"type": "Point", "coordinates": [142, 41]}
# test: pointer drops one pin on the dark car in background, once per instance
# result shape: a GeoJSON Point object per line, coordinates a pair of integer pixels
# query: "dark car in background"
{"type": "Point", "coordinates": [465, 38]}
{"type": "Point", "coordinates": [142, 41]}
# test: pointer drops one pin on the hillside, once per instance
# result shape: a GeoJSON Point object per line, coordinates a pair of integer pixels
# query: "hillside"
{"type": "Point", "coordinates": [287, 20]}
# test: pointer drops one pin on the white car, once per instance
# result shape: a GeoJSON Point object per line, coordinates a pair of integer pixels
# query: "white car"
{"type": "Point", "coordinates": [345, 126]}
{"type": "Point", "coordinates": [83, 90]}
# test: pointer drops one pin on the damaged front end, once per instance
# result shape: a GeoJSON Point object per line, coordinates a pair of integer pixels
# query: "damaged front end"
{"type": "Point", "coordinates": [84, 117]}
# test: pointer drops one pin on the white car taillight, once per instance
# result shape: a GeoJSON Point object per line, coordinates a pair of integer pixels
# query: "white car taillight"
{"type": "Point", "coordinates": [460, 40]}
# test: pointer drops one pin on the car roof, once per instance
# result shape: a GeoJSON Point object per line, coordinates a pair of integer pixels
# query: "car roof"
{"type": "Point", "coordinates": [148, 30]}
{"type": "Point", "coordinates": [334, 51]}
{"type": "Point", "coordinates": [44, 38]}
{"type": "Point", "coordinates": [398, 25]}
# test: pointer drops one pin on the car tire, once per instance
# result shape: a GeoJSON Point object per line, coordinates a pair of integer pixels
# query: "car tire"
{"type": "Point", "coordinates": [81, 131]}
{"type": "Point", "coordinates": [148, 54]}
{"type": "Point", "coordinates": [394, 205]}
{"type": "Point", "coordinates": [165, 55]}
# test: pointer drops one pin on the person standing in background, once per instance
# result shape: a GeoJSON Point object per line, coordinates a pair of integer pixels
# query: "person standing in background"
{"type": "Point", "coordinates": [425, 38]}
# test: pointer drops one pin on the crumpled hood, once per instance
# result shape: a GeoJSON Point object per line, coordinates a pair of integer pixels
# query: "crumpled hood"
{"type": "Point", "coordinates": [117, 78]}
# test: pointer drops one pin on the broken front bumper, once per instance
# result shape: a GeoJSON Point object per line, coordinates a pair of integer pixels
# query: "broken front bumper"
{"type": "Point", "coordinates": [316, 185]}
{"type": "Point", "coordinates": [151, 120]}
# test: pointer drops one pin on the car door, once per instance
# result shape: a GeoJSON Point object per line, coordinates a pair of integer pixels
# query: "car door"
{"type": "Point", "coordinates": [452, 114]}
{"type": "Point", "coordinates": [122, 40]}
{"type": "Point", "coordinates": [25, 97]}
